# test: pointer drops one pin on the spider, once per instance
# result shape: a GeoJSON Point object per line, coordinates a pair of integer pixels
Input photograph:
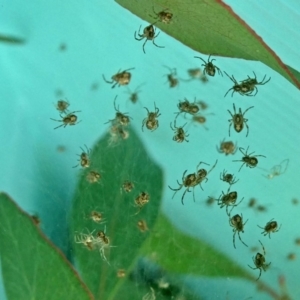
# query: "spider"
{"type": "Point", "coordinates": [250, 161]}
{"type": "Point", "coordinates": [117, 132]}
{"type": "Point", "coordinates": [244, 88]}
{"type": "Point", "coordinates": [277, 170]}
{"type": "Point", "coordinates": [93, 177]}
{"type": "Point", "coordinates": [238, 120]}
{"type": "Point", "coordinates": [194, 73]}
{"type": "Point", "coordinates": [201, 119]}
{"type": "Point", "coordinates": [120, 78]}
{"type": "Point", "coordinates": [142, 225]}
{"type": "Point", "coordinates": [149, 34]}
{"type": "Point", "coordinates": [103, 243]}
{"type": "Point", "coordinates": [163, 16]}
{"type": "Point", "coordinates": [96, 217]}
{"type": "Point", "coordinates": [238, 226]}
{"type": "Point", "coordinates": [173, 81]}
{"type": "Point", "coordinates": [141, 200]}
{"type": "Point", "coordinates": [252, 83]}
{"type": "Point", "coordinates": [192, 180]}
{"type": "Point", "coordinates": [121, 273]}
{"type": "Point", "coordinates": [69, 119]}
{"type": "Point", "coordinates": [127, 186]}
{"type": "Point", "coordinates": [120, 119]}
{"type": "Point", "coordinates": [187, 108]}
{"type": "Point", "coordinates": [229, 178]}
{"type": "Point", "coordinates": [260, 261]}
{"type": "Point", "coordinates": [270, 227]}
{"type": "Point", "coordinates": [87, 239]}
{"type": "Point", "coordinates": [180, 135]}
{"type": "Point", "coordinates": [62, 106]}
{"type": "Point", "coordinates": [209, 67]}
{"type": "Point", "coordinates": [150, 121]}
{"type": "Point", "coordinates": [84, 158]}
{"type": "Point", "coordinates": [134, 95]}
{"type": "Point", "coordinates": [227, 147]}
{"type": "Point", "coordinates": [202, 105]}
{"type": "Point", "coordinates": [228, 199]}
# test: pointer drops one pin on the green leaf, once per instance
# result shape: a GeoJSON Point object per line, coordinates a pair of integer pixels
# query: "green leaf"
{"type": "Point", "coordinates": [32, 267]}
{"type": "Point", "coordinates": [10, 39]}
{"type": "Point", "coordinates": [210, 27]}
{"type": "Point", "coordinates": [116, 162]}
{"type": "Point", "coordinates": [168, 245]}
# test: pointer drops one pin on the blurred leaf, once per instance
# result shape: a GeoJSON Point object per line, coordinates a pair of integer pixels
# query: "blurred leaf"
{"type": "Point", "coordinates": [116, 162]}
{"type": "Point", "coordinates": [167, 245]}
{"type": "Point", "coordinates": [210, 27]}
{"type": "Point", "coordinates": [32, 267]}
{"type": "Point", "coordinates": [10, 39]}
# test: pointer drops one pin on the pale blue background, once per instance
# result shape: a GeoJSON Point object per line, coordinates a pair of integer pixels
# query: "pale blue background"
{"type": "Point", "coordinates": [99, 39]}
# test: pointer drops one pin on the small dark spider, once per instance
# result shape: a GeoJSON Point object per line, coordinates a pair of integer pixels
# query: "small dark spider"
{"type": "Point", "coordinates": [84, 158]}
{"type": "Point", "coordinates": [180, 135]}
{"type": "Point", "coordinates": [69, 119]}
{"type": "Point", "coordinates": [163, 16]}
{"type": "Point", "coordinates": [201, 119]}
{"type": "Point", "coordinates": [252, 83]}
{"type": "Point", "coordinates": [192, 180]}
{"type": "Point", "coordinates": [243, 88]}
{"type": "Point", "coordinates": [149, 34]}
{"type": "Point", "coordinates": [238, 120]}
{"type": "Point", "coordinates": [238, 226]}
{"type": "Point", "coordinates": [150, 121]}
{"type": "Point", "coordinates": [127, 186]}
{"type": "Point", "coordinates": [209, 67]}
{"type": "Point", "coordinates": [227, 147]}
{"type": "Point", "coordinates": [270, 227]}
{"type": "Point", "coordinates": [93, 177]}
{"type": "Point", "coordinates": [228, 199]}
{"type": "Point", "coordinates": [141, 200]}
{"type": "Point", "coordinates": [173, 81]}
{"type": "Point", "coordinates": [250, 161]}
{"type": "Point", "coordinates": [62, 106]}
{"type": "Point", "coordinates": [260, 261]}
{"type": "Point", "coordinates": [229, 178]}
{"type": "Point", "coordinates": [134, 95]}
{"type": "Point", "coordinates": [121, 118]}
{"type": "Point", "coordinates": [120, 78]}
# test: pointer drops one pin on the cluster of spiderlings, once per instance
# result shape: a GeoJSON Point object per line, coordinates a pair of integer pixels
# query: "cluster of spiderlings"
{"type": "Point", "coordinates": [92, 241]}
{"type": "Point", "coordinates": [67, 118]}
{"type": "Point", "coordinates": [194, 112]}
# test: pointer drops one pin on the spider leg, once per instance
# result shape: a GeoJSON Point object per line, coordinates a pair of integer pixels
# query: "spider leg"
{"type": "Point", "coordinates": [241, 167]}
{"type": "Point", "coordinates": [233, 238]}
{"type": "Point", "coordinates": [201, 59]}
{"type": "Point", "coordinates": [227, 91]}
{"type": "Point", "coordinates": [241, 239]}
{"type": "Point", "coordinates": [60, 126]}
{"type": "Point", "coordinates": [176, 189]}
{"type": "Point", "coordinates": [157, 45]}
{"type": "Point", "coordinates": [186, 190]}
{"type": "Point", "coordinates": [106, 79]}
{"type": "Point", "coordinates": [138, 39]}
{"type": "Point", "coordinates": [229, 126]}
{"type": "Point", "coordinates": [245, 122]}
{"type": "Point", "coordinates": [144, 45]}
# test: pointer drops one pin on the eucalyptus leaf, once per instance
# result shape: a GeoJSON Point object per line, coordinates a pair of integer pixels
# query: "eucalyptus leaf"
{"type": "Point", "coordinates": [117, 161]}
{"type": "Point", "coordinates": [210, 27]}
{"type": "Point", "coordinates": [32, 267]}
